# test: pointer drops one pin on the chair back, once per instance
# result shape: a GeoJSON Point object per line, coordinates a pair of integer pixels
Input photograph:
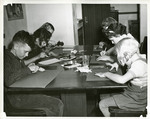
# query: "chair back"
{"type": "Point", "coordinates": [143, 46]}
{"type": "Point", "coordinates": [116, 112]}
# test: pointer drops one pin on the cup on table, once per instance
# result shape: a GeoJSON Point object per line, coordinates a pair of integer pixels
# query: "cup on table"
{"type": "Point", "coordinates": [85, 60]}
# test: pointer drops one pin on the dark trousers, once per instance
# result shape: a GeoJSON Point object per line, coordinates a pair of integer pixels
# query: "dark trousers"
{"type": "Point", "coordinates": [51, 105]}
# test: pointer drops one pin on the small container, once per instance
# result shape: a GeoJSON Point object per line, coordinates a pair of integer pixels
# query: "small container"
{"type": "Point", "coordinates": [85, 60]}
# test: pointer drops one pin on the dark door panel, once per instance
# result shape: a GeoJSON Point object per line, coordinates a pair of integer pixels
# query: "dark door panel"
{"type": "Point", "coordinates": [93, 14]}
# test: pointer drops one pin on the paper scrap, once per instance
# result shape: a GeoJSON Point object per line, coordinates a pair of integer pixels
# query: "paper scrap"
{"type": "Point", "coordinates": [84, 69]}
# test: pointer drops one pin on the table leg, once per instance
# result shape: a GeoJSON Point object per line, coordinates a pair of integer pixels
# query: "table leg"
{"type": "Point", "coordinates": [74, 103]}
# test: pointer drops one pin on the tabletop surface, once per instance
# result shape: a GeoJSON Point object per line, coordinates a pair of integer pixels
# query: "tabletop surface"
{"type": "Point", "coordinates": [70, 79]}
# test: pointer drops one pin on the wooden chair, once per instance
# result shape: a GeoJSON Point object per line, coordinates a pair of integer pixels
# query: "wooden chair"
{"type": "Point", "coordinates": [143, 46]}
{"type": "Point", "coordinates": [116, 112]}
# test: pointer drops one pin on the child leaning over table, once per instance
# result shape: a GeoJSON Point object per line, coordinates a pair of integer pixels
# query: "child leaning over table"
{"type": "Point", "coordinates": [15, 69]}
{"type": "Point", "coordinates": [134, 97]}
{"type": "Point", "coordinates": [52, 45]}
{"type": "Point", "coordinates": [41, 38]}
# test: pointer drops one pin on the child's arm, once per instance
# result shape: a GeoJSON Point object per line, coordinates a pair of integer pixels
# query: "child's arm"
{"type": "Point", "coordinates": [52, 54]}
{"type": "Point", "coordinates": [110, 51]}
{"type": "Point", "coordinates": [107, 56]}
{"type": "Point", "coordinates": [119, 78]}
{"type": "Point", "coordinates": [41, 55]}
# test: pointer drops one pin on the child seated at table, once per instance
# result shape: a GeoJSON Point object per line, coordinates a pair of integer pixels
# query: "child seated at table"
{"type": "Point", "coordinates": [52, 45]}
{"type": "Point", "coordinates": [115, 32]}
{"type": "Point", "coordinates": [104, 26]}
{"type": "Point", "coordinates": [41, 38]}
{"type": "Point", "coordinates": [134, 97]}
{"type": "Point", "coordinates": [15, 69]}
{"type": "Point", "coordinates": [49, 27]}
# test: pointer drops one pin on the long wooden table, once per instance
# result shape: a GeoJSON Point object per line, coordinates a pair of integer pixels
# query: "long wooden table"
{"type": "Point", "coordinates": [72, 88]}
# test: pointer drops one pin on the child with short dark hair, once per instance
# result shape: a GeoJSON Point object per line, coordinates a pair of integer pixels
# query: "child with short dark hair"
{"type": "Point", "coordinates": [41, 38]}
{"type": "Point", "coordinates": [15, 69]}
{"type": "Point", "coordinates": [52, 45]}
{"type": "Point", "coordinates": [115, 32]}
{"type": "Point", "coordinates": [107, 22]}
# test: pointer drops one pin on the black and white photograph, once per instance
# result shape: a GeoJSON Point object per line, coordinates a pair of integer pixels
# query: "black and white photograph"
{"type": "Point", "coordinates": [74, 59]}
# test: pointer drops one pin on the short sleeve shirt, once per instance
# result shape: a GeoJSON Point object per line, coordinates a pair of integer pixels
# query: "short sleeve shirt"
{"type": "Point", "coordinates": [139, 70]}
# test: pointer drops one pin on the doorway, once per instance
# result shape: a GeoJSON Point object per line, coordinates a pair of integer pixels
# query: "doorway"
{"type": "Point", "coordinates": [93, 14]}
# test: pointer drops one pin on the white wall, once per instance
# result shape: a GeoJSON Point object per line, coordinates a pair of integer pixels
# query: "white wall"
{"type": "Point", "coordinates": [79, 11]}
{"type": "Point", "coordinates": [143, 21]}
{"type": "Point", "coordinates": [60, 15]}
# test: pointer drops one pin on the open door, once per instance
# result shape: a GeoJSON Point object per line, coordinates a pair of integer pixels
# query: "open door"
{"type": "Point", "coordinates": [93, 14]}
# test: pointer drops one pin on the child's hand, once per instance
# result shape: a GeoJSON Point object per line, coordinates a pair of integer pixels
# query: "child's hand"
{"type": "Point", "coordinates": [34, 68]}
{"type": "Point", "coordinates": [102, 53]}
{"type": "Point", "coordinates": [42, 55]}
{"type": "Point", "coordinates": [114, 65]}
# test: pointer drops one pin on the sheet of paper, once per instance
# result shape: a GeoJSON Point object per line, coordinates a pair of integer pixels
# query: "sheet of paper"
{"type": "Point", "coordinates": [37, 80]}
{"type": "Point", "coordinates": [49, 61]}
{"type": "Point", "coordinates": [84, 69]}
